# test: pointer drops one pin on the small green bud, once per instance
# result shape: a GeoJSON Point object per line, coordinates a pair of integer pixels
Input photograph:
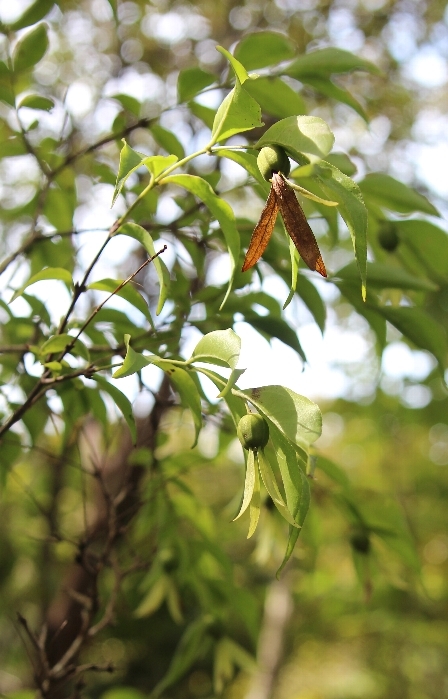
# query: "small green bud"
{"type": "Point", "coordinates": [388, 236]}
{"type": "Point", "coordinates": [253, 431]}
{"type": "Point", "coordinates": [273, 159]}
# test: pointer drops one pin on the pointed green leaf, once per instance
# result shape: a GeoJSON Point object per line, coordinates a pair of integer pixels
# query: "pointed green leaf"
{"type": "Point", "coordinates": [249, 163]}
{"type": "Point", "coordinates": [133, 361]}
{"type": "Point", "coordinates": [420, 328]}
{"type": "Point", "coordinates": [220, 209]}
{"type": "Point", "coordinates": [313, 300]}
{"type": "Point", "coordinates": [427, 244]}
{"type": "Point", "coordinates": [121, 401]}
{"type": "Point", "coordinates": [168, 141]}
{"type": "Point", "coordinates": [153, 599]}
{"type": "Point", "coordinates": [220, 347]}
{"type": "Point", "coordinates": [276, 97]}
{"type": "Point", "coordinates": [187, 389]}
{"type": "Point", "coordinates": [191, 81]}
{"type": "Point", "coordinates": [144, 238]}
{"type": "Point", "coordinates": [299, 136]}
{"type": "Point", "coordinates": [386, 191]}
{"type": "Point", "coordinates": [276, 327]}
{"type": "Point", "coordinates": [187, 651]}
{"type": "Point", "coordinates": [58, 343]}
{"type": "Point", "coordinates": [44, 104]}
{"type": "Point", "coordinates": [156, 164]}
{"type": "Point", "coordinates": [127, 292]}
{"type": "Point", "coordinates": [376, 321]}
{"type": "Point", "coordinates": [352, 209]}
{"type": "Point", "coordinates": [300, 518]}
{"type": "Point", "coordinates": [203, 113]}
{"type": "Point", "coordinates": [329, 61]}
{"type": "Point", "coordinates": [249, 484]}
{"type": "Point", "coordinates": [262, 49]}
{"type": "Point", "coordinates": [237, 113]}
{"type": "Point", "coordinates": [130, 160]}
{"type": "Point", "coordinates": [254, 506]}
{"type": "Point", "coordinates": [34, 13]}
{"type": "Point", "coordinates": [48, 273]}
{"type": "Point", "coordinates": [30, 48]}
{"type": "Point", "coordinates": [298, 418]}
{"type": "Point", "coordinates": [329, 89]}
{"type": "Point", "coordinates": [271, 486]}
{"type": "Point", "coordinates": [386, 277]}
{"type": "Point", "coordinates": [238, 68]}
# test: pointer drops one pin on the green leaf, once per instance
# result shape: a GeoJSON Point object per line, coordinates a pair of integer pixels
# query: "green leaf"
{"type": "Point", "coordinates": [298, 418]}
{"type": "Point", "coordinates": [220, 209]}
{"type": "Point", "coordinates": [302, 511]}
{"type": "Point", "coordinates": [420, 328]}
{"type": "Point", "coordinates": [58, 343]}
{"type": "Point", "coordinates": [37, 102]}
{"type": "Point", "coordinates": [30, 49]}
{"type": "Point", "coordinates": [249, 163]}
{"type": "Point", "coordinates": [121, 402]}
{"type": "Point", "coordinates": [237, 113]}
{"type": "Point", "coordinates": [276, 97]}
{"type": "Point", "coordinates": [276, 327]}
{"type": "Point", "coordinates": [296, 486]}
{"type": "Point", "coordinates": [387, 192]}
{"type": "Point", "coordinates": [154, 598]}
{"type": "Point", "coordinates": [352, 209]}
{"type": "Point", "coordinates": [271, 486]}
{"type": "Point", "coordinates": [59, 208]}
{"type": "Point", "coordinates": [386, 277]}
{"type": "Point", "coordinates": [133, 361]}
{"type": "Point", "coordinates": [428, 245]}
{"type": "Point", "coordinates": [168, 141]}
{"type": "Point", "coordinates": [127, 292]}
{"type": "Point", "coordinates": [249, 484]}
{"type": "Point", "coordinates": [12, 450]}
{"type": "Point", "coordinates": [376, 322]}
{"type": "Point", "coordinates": [203, 113]}
{"type": "Point", "coordinates": [328, 61]}
{"type": "Point", "coordinates": [329, 89]}
{"type": "Point", "coordinates": [188, 650]}
{"type": "Point", "coordinates": [34, 13]}
{"type": "Point", "coordinates": [299, 136]}
{"type": "Point", "coordinates": [6, 91]}
{"type": "Point", "coordinates": [342, 162]}
{"type": "Point", "coordinates": [191, 81]}
{"type": "Point", "coordinates": [143, 237]}
{"type": "Point", "coordinates": [262, 49]}
{"type": "Point", "coordinates": [130, 160]}
{"type": "Point", "coordinates": [187, 389]}
{"type": "Point", "coordinates": [156, 164]}
{"type": "Point", "coordinates": [129, 103]}
{"type": "Point", "coordinates": [220, 347]}
{"type": "Point", "coordinates": [313, 300]}
{"type": "Point", "coordinates": [48, 273]}
{"type": "Point", "coordinates": [238, 68]}
{"type": "Point", "coordinates": [255, 505]}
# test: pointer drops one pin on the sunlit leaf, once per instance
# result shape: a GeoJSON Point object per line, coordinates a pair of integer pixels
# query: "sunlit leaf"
{"type": "Point", "coordinates": [220, 209]}
{"type": "Point", "coordinates": [300, 136]}
{"type": "Point", "coordinates": [30, 48]}
{"type": "Point", "coordinates": [48, 273]}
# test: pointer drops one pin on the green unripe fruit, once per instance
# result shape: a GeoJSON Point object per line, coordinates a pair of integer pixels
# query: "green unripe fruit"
{"type": "Point", "coordinates": [253, 431]}
{"type": "Point", "coordinates": [388, 236]}
{"type": "Point", "coordinates": [273, 159]}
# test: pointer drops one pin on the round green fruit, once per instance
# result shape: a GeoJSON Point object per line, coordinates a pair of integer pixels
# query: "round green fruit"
{"type": "Point", "coordinates": [253, 431]}
{"type": "Point", "coordinates": [273, 159]}
{"type": "Point", "coordinates": [388, 236]}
